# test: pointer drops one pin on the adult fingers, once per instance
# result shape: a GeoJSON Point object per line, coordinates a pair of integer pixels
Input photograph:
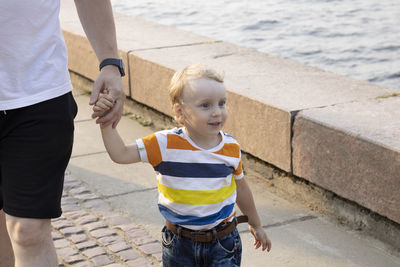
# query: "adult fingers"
{"type": "Point", "coordinates": [97, 87]}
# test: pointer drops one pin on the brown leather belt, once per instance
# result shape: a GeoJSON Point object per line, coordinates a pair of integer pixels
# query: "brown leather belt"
{"type": "Point", "coordinates": [209, 235]}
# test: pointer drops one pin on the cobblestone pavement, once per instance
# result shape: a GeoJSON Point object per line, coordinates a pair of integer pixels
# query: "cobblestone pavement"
{"type": "Point", "coordinates": [91, 233]}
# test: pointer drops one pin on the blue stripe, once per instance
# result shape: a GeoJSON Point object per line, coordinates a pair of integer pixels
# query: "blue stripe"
{"type": "Point", "coordinates": [200, 170]}
{"type": "Point", "coordinates": [175, 218]}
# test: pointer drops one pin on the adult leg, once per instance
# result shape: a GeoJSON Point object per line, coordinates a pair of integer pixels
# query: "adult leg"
{"type": "Point", "coordinates": [6, 251]}
{"type": "Point", "coordinates": [32, 184]}
{"type": "Point", "coordinates": [32, 242]}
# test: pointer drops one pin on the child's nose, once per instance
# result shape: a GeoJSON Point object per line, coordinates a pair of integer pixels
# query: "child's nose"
{"type": "Point", "coordinates": [216, 111]}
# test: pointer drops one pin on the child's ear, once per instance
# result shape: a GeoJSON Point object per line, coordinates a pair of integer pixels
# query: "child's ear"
{"type": "Point", "coordinates": [178, 113]}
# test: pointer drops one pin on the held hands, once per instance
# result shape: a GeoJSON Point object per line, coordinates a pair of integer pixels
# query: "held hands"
{"type": "Point", "coordinates": [103, 105]}
{"type": "Point", "coordinates": [108, 81]}
{"type": "Point", "coordinates": [260, 238]}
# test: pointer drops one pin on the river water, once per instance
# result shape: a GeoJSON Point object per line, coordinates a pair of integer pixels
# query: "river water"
{"type": "Point", "coordinates": [356, 38]}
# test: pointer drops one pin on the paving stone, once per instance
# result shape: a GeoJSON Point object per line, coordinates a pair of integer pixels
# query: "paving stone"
{"type": "Point", "coordinates": [83, 264]}
{"type": "Point", "coordinates": [158, 256]}
{"type": "Point", "coordinates": [86, 245]}
{"type": "Point", "coordinates": [78, 238]}
{"type": "Point", "coordinates": [126, 227]}
{"type": "Point", "coordinates": [140, 237]}
{"type": "Point", "coordinates": [60, 224]}
{"type": "Point", "coordinates": [66, 252]}
{"type": "Point", "coordinates": [95, 225]}
{"type": "Point", "coordinates": [127, 255]}
{"type": "Point", "coordinates": [70, 185]}
{"type": "Point", "coordinates": [142, 240]}
{"type": "Point", "coordinates": [93, 252]}
{"type": "Point", "coordinates": [68, 200]}
{"type": "Point", "coordinates": [77, 214]}
{"type": "Point", "coordinates": [58, 219]}
{"type": "Point", "coordinates": [61, 243]}
{"type": "Point", "coordinates": [92, 204]}
{"type": "Point", "coordinates": [71, 230]}
{"type": "Point", "coordinates": [107, 214]}
{"type": "Point", "coordinates": [74, 259]}
{"type": "Point", "coordinates": [102, 260]}
{"type": "Point", "coordinates": [56, 235]}
{"type": "Point", "coordinates": [101, 209]}
{"type": "Point", "coordinates": [68, 178]}
{"type": "Point", "coordinates": [86, 219]}
{"type": "Point", "coordinates": [118, 220]}
{"type": "Point", "coordinates": [78, 190]}
{"type": "Point", "coordinates": [137, 233]}
{"type": "Point", "coordinates": [70, 207]}
{"type": "Point", "coordinates": [120, 246]}
{"type": "Point", "coordinates": [86, 196]}
{"type": "Point", "coordinates": [108, 240]}
{"type": "Point", "coordinates": [102, 232]}
{"type": "Point", "coordinates": [151, 248]}
{"type": "Point", "coordinates": [115, 265]}
{"type": "Point", "coordinates": [139, 262]}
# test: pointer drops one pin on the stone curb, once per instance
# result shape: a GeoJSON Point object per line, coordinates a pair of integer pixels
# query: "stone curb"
{"type": "Point", "coordinates": [91, 233]}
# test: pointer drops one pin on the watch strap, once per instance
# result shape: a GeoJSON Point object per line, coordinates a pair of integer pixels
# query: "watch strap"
{"type": "Point", "coordinates": [113, 61]}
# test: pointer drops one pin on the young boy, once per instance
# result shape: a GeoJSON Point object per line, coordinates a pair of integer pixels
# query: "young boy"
{"type": "Point", "coordinates": [200, 175]}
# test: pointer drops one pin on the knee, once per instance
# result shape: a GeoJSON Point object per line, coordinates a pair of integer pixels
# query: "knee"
{"type": "Point", "coordinates": [28, 232]}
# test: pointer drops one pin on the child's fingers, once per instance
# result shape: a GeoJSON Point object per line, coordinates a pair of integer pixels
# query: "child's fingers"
{"type": "Point", "coordinates": [97, 109]}
{"type": "Point", "coordinates": [108, 100]}
{"type": "Point", "coordinates": [267, 245]}
{"type": "Point", "coordinates": [103, 105]}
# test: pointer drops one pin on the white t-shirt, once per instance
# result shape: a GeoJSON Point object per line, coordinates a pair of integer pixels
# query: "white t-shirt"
{"type": "Point", "coordinates": [33, 57]}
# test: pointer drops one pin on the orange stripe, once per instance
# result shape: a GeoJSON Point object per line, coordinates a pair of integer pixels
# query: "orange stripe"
{"type": "Point", "coordinates": [238, 169]}
{"type": "Point", "coordinates": [152, 149]}
{"type": "Point", "coordinates": [227, 219]}
{"type": "Point", "coordinates": [176, 142]}
{"type": "Point", "coordinates": [230, 150]}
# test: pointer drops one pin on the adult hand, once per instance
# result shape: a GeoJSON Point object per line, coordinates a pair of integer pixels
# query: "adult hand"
{"type": "Point", "coordinates": [109, 80]}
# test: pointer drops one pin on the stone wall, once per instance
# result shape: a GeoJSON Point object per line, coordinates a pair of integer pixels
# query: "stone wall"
{"type": "Point", "coordinates": [336, 132]}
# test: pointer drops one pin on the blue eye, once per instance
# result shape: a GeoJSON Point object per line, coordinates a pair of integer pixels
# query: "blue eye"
{"type": "Point", "coordinates": [221, 103]}
{"type": "Point", "coordinates": [205, 105]}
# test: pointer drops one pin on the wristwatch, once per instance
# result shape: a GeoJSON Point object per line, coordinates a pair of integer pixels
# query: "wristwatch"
{"type": "Point", "coordinates": [114, 61]}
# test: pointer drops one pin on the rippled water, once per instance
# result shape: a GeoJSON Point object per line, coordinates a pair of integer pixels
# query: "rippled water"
{"type": "Point", "coordinates": [357, 38]}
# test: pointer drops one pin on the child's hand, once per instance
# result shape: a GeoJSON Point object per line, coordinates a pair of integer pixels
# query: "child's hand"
{"type": "Point", "coordinates": [260, 238]}
{"type": "Point", "coordinates": [103, 104]}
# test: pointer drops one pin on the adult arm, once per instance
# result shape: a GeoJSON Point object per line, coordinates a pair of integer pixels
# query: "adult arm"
{"type": "Point", "coordinates": [97, 20]}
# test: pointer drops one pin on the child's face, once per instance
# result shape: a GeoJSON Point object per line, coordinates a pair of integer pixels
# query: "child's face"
{"type": "Point", "coordinates": [203, 111]}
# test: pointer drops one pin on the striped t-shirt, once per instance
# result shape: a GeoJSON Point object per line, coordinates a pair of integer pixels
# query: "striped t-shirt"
{"type": "Point", "coordinates": [197, 188]}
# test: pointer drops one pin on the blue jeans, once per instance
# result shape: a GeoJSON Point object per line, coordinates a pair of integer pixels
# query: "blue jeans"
{"type": "Point", "coordinates": [182, 251]}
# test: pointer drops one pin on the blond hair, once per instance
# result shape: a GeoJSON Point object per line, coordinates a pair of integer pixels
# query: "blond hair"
{"type": "Point", "coordinates": [190, 73]}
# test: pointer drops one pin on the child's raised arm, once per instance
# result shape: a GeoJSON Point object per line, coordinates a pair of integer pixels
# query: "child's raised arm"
{"type": "Point", "coordinates": [115, 146]}
{"type": "Point", "coordinates": [246, 204]}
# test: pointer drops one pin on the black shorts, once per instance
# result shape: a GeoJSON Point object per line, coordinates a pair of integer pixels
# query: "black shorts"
{"type": "Point", "coordinates": [35, 147]}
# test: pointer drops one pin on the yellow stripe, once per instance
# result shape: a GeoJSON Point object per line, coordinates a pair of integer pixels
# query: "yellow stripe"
{"type": "Point", "coordinates": [197, 197]}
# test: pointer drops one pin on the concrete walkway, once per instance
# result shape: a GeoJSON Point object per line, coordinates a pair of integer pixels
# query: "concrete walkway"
{"type": "Point", "coordinates": [111, 218]}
